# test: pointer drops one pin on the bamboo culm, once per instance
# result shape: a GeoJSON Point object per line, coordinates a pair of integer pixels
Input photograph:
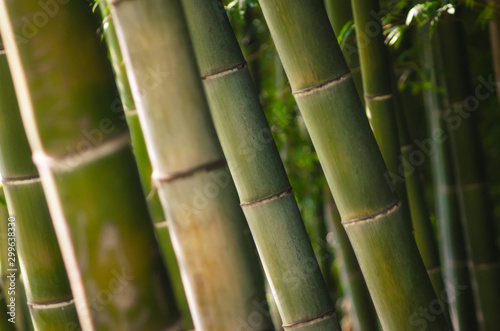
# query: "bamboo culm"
{"type": "Point", "coordinates": [144, 165]}
{"type": "Point", "coordinates": [47, 287]}
{"type": "Point", "coordinates": [88, 172]}
{"type": "Point", "coordinates": [20, 311]}
{"type": "Point", "coordinates": [451, 240]}
{"type": "Point", "coordinates": [263, 187]}
{"type": "Point", "coordinates": [353, 165]}
{"type": "Point", "coordinates": [364, 317]}
{"type": "Point", "coordinates": [471, 184]}
{"type": "Point", "coordinates": [211, 239]}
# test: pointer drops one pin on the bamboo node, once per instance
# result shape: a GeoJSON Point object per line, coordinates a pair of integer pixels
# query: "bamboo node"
{"type": "Point", "coordinates": [225, 72]}
{"type": "Point", "coordinates": [52, 305]}
{"type": "Point", "coordinates": [485, 266]}
{"type": "Point", "coordinates": [310, 321]}
{"type": "Point", "coordinates": [378, 97]}
{"type": "Point", "coordinates": [323, 86]}
{"type": "Point", "coordinates": [162, 224]}
{"type": "Point", "coordinates": [75, 160]}
{"type": "Point", "coordinates": [386, 211]}
{"type": "Point", "coordinates": [474, 186]}
{"type": "Point", "coordinates": [164, 178]}
{"type": "Point", "coordinates": [20, 180]}
{"type": "Point", "coordinates": [269, 198]}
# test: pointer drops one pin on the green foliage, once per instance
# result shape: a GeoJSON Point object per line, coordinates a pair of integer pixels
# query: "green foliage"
{"type": "Point", "coordinates": [429, 12]}
{"type": "Point", "coordinates": [239, 6]}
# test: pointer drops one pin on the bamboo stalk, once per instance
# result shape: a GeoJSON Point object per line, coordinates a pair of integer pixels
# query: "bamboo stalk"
{"type": "Point", "coordinates": [22, 318]}
{"type": "Point", "coordinates": [210, 236]}
{"type": "Point", "coordinates": [382, 96]}
{"type": "Point", "coordinates": [47, 290]}
{"type": "Point", "coordinates": [422, 227]}
{"type": "Point", "coordinates": [494, 28]}
{"type": "Point", "coordinates": [82, 152]}
{"type": "Point", "coordinates": [371, 213]}
{"type": "Point", "coordinates": [353, 282]}
{"type": "Point", "coordinates": [472, 187]}
{"type": "Point", "coordinates": [451, 241]}
{"type": "Point", "coordinates": [340, 12]}
{"type": "Point", "coordinates": [258, 172]}
{"type": "Point", "coordinates": [144, 165]}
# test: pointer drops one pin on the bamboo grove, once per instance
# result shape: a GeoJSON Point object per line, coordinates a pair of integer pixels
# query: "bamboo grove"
{"type": "Point", "coordinates": [236, 165]}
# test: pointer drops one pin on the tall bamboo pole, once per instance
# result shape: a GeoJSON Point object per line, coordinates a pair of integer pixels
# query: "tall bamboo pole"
{"type": "Point", "coordinates": [494, 28]}
{"type": "Point", "coordinates": [210, 236]}
{"type": "Point", "coordinates": [472, 187]}
{"type": "Point", "coordinates": [383, 106]}
{"type": "Point", "coordinates": [47, 287]}
{"type": "Point", "coordinates": [451, 241]}
{"type": "Point", "coordinates": [378, 90]}
{"type": "Point", "coordinates": [22, 318]}
{"type": "Point", "coordinates": [144, 164]}
{"type": "Point", "coordinates": [263, 187]}
{"type": "Point", "coordinates": [371, 213]}
{"type": "Point", "coordinates": [353, 282]}
{"type": "Point", "coordinates": [82, 152]}
{"type": "Point", "coordinates": [340, 13]}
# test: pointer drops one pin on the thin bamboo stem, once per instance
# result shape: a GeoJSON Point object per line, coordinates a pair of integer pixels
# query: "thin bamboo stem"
{"type": "Point", "coordinates": [472, 187]}
{"type": "Point", "coordinates": [451, 241]}
{"type": "Point", "coordinates": [372, 215]}
{"type": "Point", "coordinates": [494, 28]}
{"type": "Point", "coordinates": [20, 310]}
{"type": "Point", "coordinates": [353, 282]}
{"type": "Point", "coordinates": [340, 12]}
{"type": "Point", "coordinates": [82, 153]}
{"type": "Point", "coordinates": [210, 236]}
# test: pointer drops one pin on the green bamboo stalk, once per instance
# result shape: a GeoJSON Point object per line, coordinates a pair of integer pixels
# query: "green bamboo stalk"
{"type": "Point", "coordinates": [378, 90]}
{"type": "Point", "coordinates": [5, 325]}
{"type": "Point", "coordinates": [82, 152]}
{"type": "Point", "coordinates": [210, 236]}
{"type": "Point", "coordinates": [384, 106]}
{"type": "Point", "coordinates": [47, 288]}
{"type": "Point", "coordinates": [372, 215]}
{"type": "Point", "coordinates": [263, 187]}
{"type": "Point", "coordinates": [353, 283]}
{"type": "Point", "coordinates": [144, 165]}
{"type": "Point", "coordinates": [451, 241]}
{"type": "Point", "coordinates": [494, 28]}
{"type": "Point", "coordinates": [6, 294]}
{"type": "Point", "coordinates": [423, 230]}
{"type": "Point", "coordinates": [24, 322]}
{"type": "Point", "coordinates": [340, 12]}
{"type": "Point", "coordinates": [472, 187]}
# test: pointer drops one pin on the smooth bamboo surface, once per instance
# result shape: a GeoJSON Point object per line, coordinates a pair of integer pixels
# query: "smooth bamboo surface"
{"type": "Point", "coordinates": [384, 105]}
{"type": "Point", "coordinates": [47, 287]}
{"type": "Point", "coordinates": [340, 12]}
{"type": "Point", "coordinates": [22, 316]}
{"type": "Point", "coordinates": [144, 165]}
{"type": "Point", "coordinates": [353, 283]}
{"type": "Point", "coordinates": [263, 187]}
{"type": "Point", "coordinates": [81, 148]}
{"type": "Point", "coordinates": [211, 239]}
{"type": "Point", "coordinates": [371, 213]}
